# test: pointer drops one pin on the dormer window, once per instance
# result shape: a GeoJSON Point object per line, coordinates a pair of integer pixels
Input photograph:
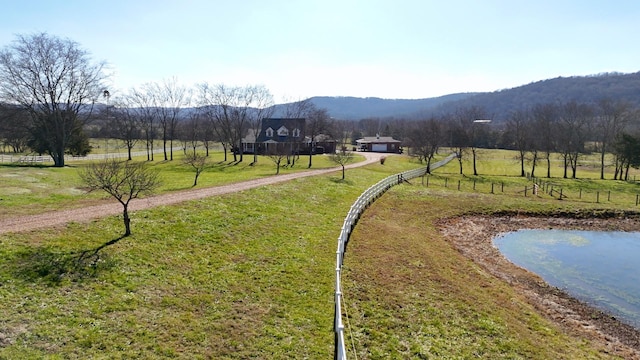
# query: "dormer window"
{"type": "Point", "coordinates": [283, 131]}
{"type": "Point", "coordinates": [296, 132]}
{"type": "Point", "coordinates": [269, 132]}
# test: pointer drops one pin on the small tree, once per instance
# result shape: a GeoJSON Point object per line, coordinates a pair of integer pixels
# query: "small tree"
{"type": "Point", "coordinates": [277, 153]}
{"type": "Point", "coordinates": [124, 180]}
{"type": "Point", "coordinates": [342, 158]}
{"type": "Point", "coordinates": [198, 162]}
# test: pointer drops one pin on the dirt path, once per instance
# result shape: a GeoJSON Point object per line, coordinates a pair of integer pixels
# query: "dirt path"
{"type": "Point", "coordinates": [55, 218]}
{"type": "Point", "coordinates": [473, 236]}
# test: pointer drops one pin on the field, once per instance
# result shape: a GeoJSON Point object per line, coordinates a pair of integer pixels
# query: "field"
{"type": "Point", "coordinates": [250, 274]}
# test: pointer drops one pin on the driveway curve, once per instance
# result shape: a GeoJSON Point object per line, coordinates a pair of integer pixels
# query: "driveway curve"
{"type": "Point", "coordinates": [61, 217]}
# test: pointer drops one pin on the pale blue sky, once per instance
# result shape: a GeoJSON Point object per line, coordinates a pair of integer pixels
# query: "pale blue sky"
{"type": "Point", "coordinates": [363, 48]}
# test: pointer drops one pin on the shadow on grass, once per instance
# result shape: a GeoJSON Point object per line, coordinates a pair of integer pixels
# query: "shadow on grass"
{"type": "Point", "coordinates": [342, 181]}
{"type": "Point", "coordinates": [51, 267]}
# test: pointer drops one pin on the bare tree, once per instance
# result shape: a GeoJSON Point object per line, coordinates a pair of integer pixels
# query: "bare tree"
{"type": "Point", "coordinates": [234, 109]}
{"type": "Point", "coordinates": [573, 130]}
{"type": "Point", "coordinates": [425, 139]}
{"type": "Point", "coordinates": [341, 158]}
{"type": "Point", "coordinates": [125, 124]}
{"type": "Point", "coordinates": [191, 131]}
{"type": "Point", "coordinates": [318, 121]}
{"type": "Point", "coordinates": [261, 106]}
{"type": "Point", "coordinates": [277, 152]}
{"type": "Point", "coordinates": [518, 132]}
{"type": "Point", "coordinates": [544, 131]}
{"type": "Point", "coordinates": [123, 180]}
{"type": "Point", "coordinates": [198, 163]}
{"type": "Point", "coordinates": [143, 101]}
{"type": "Point", "coordinates": [171, 99]}
{"type": "Point", "coordinates": [56, 82]}
{"type": "Point", "coordinates": [611, 120]}
{"type": "Point", "coordinates": [471, 132]}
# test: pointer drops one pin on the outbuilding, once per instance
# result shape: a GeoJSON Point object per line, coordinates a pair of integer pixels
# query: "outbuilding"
{"type": "Point", "coordinates": [378, 143]}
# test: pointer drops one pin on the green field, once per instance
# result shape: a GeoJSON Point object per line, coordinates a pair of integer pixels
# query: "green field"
{"type": "Point", "coordinates": [54, 188]}
{"type": "Point", "coordinates": [251, 274]}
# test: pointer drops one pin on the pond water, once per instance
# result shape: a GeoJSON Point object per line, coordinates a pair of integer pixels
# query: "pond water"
{"type": "Point", "coordinates": [600, 268]}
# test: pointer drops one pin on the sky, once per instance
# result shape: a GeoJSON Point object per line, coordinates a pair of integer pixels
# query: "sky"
{"type": "Point", "coordinates": [400, 49]}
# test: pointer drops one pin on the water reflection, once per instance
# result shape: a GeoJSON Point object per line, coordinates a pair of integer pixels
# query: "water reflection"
{"type": "Point", "coordinates": [600, 268]}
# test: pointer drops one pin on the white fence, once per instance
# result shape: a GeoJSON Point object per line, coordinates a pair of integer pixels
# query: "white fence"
{"type": "Point", "coordinates": [365, 199]}
{"type": "Point", "coordinates": [33, 159]}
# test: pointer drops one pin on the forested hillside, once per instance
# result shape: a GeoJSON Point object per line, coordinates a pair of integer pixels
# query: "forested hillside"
{"type": "Point", "coordinates": [498, 104]}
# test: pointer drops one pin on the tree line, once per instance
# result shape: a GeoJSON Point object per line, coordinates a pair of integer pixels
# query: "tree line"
{"type": "Point", "coordinates": [50, 90]}
{"type": "Point", "coordinates": [539, 134]}
{"type": "Point", "coordinates": [53, 97]}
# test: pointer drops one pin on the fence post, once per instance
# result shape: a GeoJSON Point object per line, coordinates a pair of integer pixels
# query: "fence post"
{"type": "Point", "coordinates": [492, 188]}
{"type": "Point", "coordinates": [597, 197]}
{"type": "Point", "coordinates": [637, 199]}
{"type": "Point", "coordinates": [458, 185]}
{"type": "Point", "coordinates": [502, 190]}
{"type": "Point", "coordinates": [445, 182]}
{"type": "Point", "coordinates": [474, 184]}
{"type": "Point", "coordinates": [609, 196]}
{"type": "Point", "coordinates": [525, 191]}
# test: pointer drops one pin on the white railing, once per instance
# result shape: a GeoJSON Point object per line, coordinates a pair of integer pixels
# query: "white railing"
{"type": "Point", "coordinates": [365, 199]}
{"type": "Point", "coordinates": [47, 158]}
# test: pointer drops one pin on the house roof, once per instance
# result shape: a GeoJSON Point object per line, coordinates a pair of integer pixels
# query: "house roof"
{"type": "Point", "coordinates": [377, 140]}
{"type": "Point", "coordinates": [277, 123]}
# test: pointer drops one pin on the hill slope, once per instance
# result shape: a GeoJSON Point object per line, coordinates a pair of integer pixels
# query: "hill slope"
{"type": "Point", "coordinates": [499, 104]}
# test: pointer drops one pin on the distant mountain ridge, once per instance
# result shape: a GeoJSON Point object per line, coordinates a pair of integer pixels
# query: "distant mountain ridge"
{"type": "Point", "coordinates": [499, 104]}
{"type": "Point", "coordinates": [357, 108]}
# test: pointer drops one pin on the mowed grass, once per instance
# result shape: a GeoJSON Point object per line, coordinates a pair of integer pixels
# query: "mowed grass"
{"type": "Point", "coordinates": [251, 275]}
{"type": "Point", "coordinates": [52, 188]}
{"type": "Point", "coordinates": [245, 275]}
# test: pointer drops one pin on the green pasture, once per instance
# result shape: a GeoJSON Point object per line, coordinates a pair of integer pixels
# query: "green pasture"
{"type": "Point", "coordinates": [251, 274]}
{"type": "Point", "coordinates": [22, 186]}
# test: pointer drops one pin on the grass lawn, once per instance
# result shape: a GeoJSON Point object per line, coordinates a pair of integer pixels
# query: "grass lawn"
{"type": "Point", "coordinates": [54, 188]}
{"type": "Point", "coordinates": [251, 275]}
{"type": "Point", "coordinates": [245, 275]}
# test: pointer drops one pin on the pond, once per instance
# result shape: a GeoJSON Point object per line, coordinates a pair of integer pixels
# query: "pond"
{"type": "Point", "coordinates": [597, 267]}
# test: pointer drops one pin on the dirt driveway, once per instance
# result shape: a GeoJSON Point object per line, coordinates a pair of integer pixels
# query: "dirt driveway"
{"type": "Point", "coordinates": [54, 218]}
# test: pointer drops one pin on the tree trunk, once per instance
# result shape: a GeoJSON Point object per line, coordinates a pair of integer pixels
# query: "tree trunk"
{"type": "Point", "coordinates": [533, 165]}
{"type": "Point", "coordinates": [127, 220]}
{"type": "Point", "coordinates": [548, 166]}
{"type": "Point", "coordinates": [475, 170]}
{"type": "Point", "coordinates": [164, 147]}
{"type": "Point", "coordinates": [602, 162]}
